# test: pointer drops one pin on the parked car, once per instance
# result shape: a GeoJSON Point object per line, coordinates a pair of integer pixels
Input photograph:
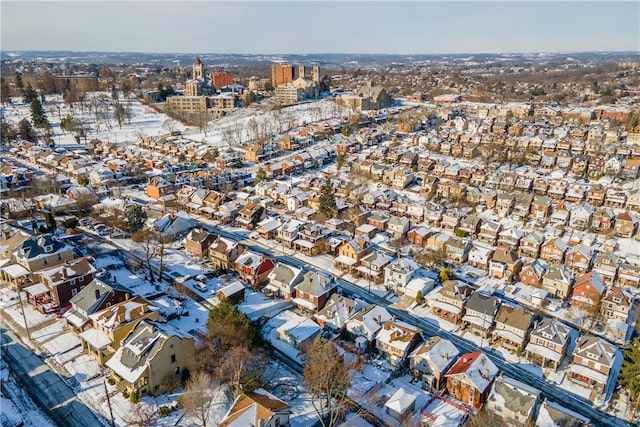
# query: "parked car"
{"type": "Point", "coordinates": [202, 287]}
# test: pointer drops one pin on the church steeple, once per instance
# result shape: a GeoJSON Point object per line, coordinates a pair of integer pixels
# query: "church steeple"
{"type": "Point", "coordinates": [198, 70]}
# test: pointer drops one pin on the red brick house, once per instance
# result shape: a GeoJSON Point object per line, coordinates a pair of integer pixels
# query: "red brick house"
{"type": "Point", "coordinates": [57, 285]}
{"type": "Point", "coordinates": [197, 242]}
{"type": "Point", "coordinates": [469, 379]}
{"type": "Point", "coordinates": [588, 290]}
{"type": "Point", "coordinates": [254, 268]}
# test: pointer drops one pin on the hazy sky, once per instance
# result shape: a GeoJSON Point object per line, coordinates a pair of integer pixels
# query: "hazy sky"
{"type": "Point", "coordinates": [321, 27]}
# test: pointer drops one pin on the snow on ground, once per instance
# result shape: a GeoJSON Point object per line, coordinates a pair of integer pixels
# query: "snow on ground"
{"type": "Point", "coordinates": [11, 306]}
{"type": "Point", "coordinates": [424, 312]}
{"type": "Point", "coordinates": [194, 318]}
{"type": "Point", "coordinates": [366, 379]}
{"type": "Point", "coordinates": [270, 332]}
{"type": "Point", "coordinates": [441, 413]}
{"type": "Point", "coordinates": [256, 305]}
{"type": "Point", "coordinates": [17, 404]}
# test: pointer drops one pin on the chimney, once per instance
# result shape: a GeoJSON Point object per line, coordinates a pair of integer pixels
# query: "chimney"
{"type": "Point", "coordinates": [446, 356]}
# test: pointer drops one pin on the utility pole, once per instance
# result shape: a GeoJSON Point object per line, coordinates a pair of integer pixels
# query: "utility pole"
{"type": "Point", "coordinates": [106, 392]}
{"type": "Point", "coordinates": [26, 325]}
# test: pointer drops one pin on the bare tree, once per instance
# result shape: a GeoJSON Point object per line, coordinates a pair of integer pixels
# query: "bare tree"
{"type": "Point", "coordinates": [328, 378]}
{"type": "Point", "coordinates": [199, 393]}
{"type": "Point", "coordinates": [141, 415]}
{"type": "Point", "coordinates": [242, 369]}
{"type": "Point", "coordinates": [148, 239]}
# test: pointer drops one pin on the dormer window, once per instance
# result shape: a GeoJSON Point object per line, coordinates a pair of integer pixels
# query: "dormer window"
{"type": "Point", "coordinates": [48, 248]}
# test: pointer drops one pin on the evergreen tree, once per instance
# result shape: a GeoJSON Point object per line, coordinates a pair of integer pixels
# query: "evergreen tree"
{"type": "Point", "coordinates": [25, 131]}
{"type": "Point", "coordinates": [630, 373]}
{"type": "Point", "coordinates": [261, 175]}
{"type": "Point", "coordinates": [327, 199]}
{"type": "Point", "coordinates": [19, 83]}
{"type": "Point", "coordinates": [419, 298]}
{"type": "Point", "coordinates": [136, 217]}
{"type": "Point", "coordinates": [50, 222]}
{"type": "Point", "coordinates": [248, 98]}
{"type": "Point", "coordinates": [5, 91]}
{"type": "Point", "coordinates": [38, 116]}
{"type": "Point", "coordinates": [29, 94]}
{"type": "Point", "coordinates": [8, 133]}
{"type": "Point", "coordinates": [341, 160]}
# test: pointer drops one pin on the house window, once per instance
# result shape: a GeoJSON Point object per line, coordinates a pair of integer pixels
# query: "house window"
{"type": "Point", "coordinates": [108, 304]}
{"type": "Point", "coordinates": [59, 257]}
{"type": "Point", "coordinates": [73, 281]}
{"type": "Point", "coordinates": [45, 261]}
{"type": "Point", "coordinates": [173, 358]}
{"type": "Point", "coordinates": [74, 291]}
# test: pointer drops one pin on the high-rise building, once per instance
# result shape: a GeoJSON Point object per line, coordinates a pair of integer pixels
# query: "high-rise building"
{"type": "Point", "coordinates": [281, 74]}
{"type": "Point", "coordinates": [221, 79]}
{"type": "Point", "coordinates": [316, 73]}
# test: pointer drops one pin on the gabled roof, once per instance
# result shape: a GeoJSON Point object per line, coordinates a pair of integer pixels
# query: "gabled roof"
{"type": "Point", "coordinates": [514, 317]}
{"type": "Point", "coordinates": [253, 409]}
{"type": "Point", "coordinates": [477, 368]}
{"type": "Point", "coordinates": [90, 298]}
{"type": "Point", "coordinates": [316, 283]}
{"type": "Point", "coordinates": [439, 353]}
{"type": "Point", "coordinates": [482, 303]}
{"type": "Point", "coordinates": [513, 395]}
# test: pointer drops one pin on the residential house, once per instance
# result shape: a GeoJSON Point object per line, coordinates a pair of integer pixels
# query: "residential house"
{"type": "Point", "coordinates": [541, 208]}
{"type": "Point", "coordinates": [505, 264]}
{"type": "Point", "coordinates": [315, 289]}
{"type": "Point", "coordinates": [551, 413]}
{"type": "Point", "coordinates": [531, 244]}
{"type": "Point", "coordinates": [511, 328]}
{"type": "Point", "coordinates": [629, 275]}
{"type": "Point", "coordinates": [450, 300]}
{"type": "Point", "coordinates": [532, 274]}
{"type": "Point", "coordinates": [111, 325]}
{"type": "Point", "coordinates": [152, 357]}
{"type": "Point", "coordinates": [480, 311]}
{"type": "Point", "coordinates": [588, 290]}
{"type": "Point", "coordinates": [578, 258]}
{"type": "Point", "coordinates": [254, 268]}
{"type": "Point", "coordinates": [257, 408]}
{"type": "Point", "coordinates": [399, 273]}
{"type": "Point", "coordinates": [197, 242]}
{"type": "Point", "coordinates": [398, 226]}
{"type": "Point", "coordinates": [505, 204]}
{"type": "Point", "coordinates": [43, 251]}
{"type": "Point", "coordinates": [298, 331]}
{"type": "Point", "coordinates": [396, 340]}
{"type": "Point", "coordinates": [351, 253]}
{"type": "Point", "coordinates": [418, 236]}
{"type": "Point", "coordinates": [430, 360]}
{"type": "Point", "coordinates": [457, 249]}
{"type": "Point", "coordinates": [480, 255]}
{"type": "Point", "coordinates": [367, 322]}
{"type": "Point", "coordinates": [469, 380]}
{"type": "Point", "coordinates": [510, 238]}
{"type": "Point", "coordinates": [283, 279]}
{"type": "Point", "coordinates": [56, 286]}
{"type": "Point", "coordinates": [581, 216]}
{"type": "Point", "coordinates": [96, 296]}
{"type": "Point", "coordinates": [250, 214]}
{"type": "Point", "coordinates": [548, 343]}
{"type": "Point", "coordinates": [336, 312]}
{"type": "Point", "coordinates": [171, 226]}
{"type": "Point", "coordinates": [606, 264]}
{"type": "Point", "coordinates": [593, 363]}
{"type": "Point", "coordinates": [625, 224]}
{"type": "Point", "coordinates": [603, 219]}
{"type": "Point", "coordinates": [489, 231]}
{"type": "Point", "coordinates": [617, 304]}
{"type": "Point", "coordinates": [553, 251]}
{"type": "Point", "coordinates": [513, 401]}
{"type": "Point", "coordinates": [224, 252]}
{"type": "Point", "coordinates": [557, 282]}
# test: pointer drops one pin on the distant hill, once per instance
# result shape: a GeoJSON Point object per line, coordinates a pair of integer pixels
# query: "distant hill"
{"type": "Point", "coordinates": [326, 60]}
